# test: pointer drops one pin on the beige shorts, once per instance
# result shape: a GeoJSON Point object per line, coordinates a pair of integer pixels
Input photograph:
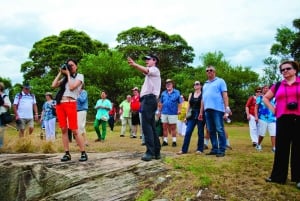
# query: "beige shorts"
{"type": "Point", "coordinates": [23, 122]}
{"type": "Point", "coordinates": [170, 119]}
{"type": "Point", "coordinates": [81, 119]}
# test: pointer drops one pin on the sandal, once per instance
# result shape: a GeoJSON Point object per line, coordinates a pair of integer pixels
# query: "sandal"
{"type": "Point", "coordinates": [83, 157]}
{"type": "Point", "coordinates": [66, 157]}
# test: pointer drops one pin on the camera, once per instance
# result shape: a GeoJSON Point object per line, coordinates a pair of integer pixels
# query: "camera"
{"type": "Point", "coordinates": [65, 66]}
{"type": "Point", "coordinates": [292, 105]}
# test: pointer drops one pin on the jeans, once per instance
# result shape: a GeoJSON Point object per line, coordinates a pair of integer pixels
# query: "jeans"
{"type": "Point", "coordinates": [215, 126]}
{"type": "Point", "coordinates": [191, 123]}
{"type": "Point", "coordinates": [111, 122]}
{"type": "Point", "coordinates": [148, 108]}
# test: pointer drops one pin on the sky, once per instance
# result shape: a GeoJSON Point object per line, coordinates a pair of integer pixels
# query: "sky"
{"type": "Point", "coordinates": [243, 30]}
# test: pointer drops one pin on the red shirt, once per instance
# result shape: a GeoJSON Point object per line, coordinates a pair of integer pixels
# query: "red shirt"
{"type": "Point", "coordinates": [135, 103]}
{"type": "Point", "coordinates": [251, 105]}
{"type": "Point", "coordinates": [112, 111]}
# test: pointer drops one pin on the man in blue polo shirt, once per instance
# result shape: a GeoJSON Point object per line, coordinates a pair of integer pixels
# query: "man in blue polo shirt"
{"type": "Point", "coordinates": [170, 103]}
{"type": "Point", "coordinates": [214, 105]}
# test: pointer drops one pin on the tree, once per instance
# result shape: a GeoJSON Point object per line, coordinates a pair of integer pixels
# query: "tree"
{"type": "Point", "coordinates": [109, 71]}
{"type": "Point", "coordinates": [282, 48]}
{"type": "Point", "coordinates": [173, 50]}
{"type": "Point", "coordinates": [49, 53]}
{"type": "Point", "coordinates": [295, 47]}
{"type": "Point", "coordinates": [271, 74]}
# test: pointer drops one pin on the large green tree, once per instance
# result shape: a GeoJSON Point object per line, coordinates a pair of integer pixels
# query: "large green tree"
{"type": "Point", "coordinates": [50, 52]}
{"type": "Point", "coordinates": [173, 50]}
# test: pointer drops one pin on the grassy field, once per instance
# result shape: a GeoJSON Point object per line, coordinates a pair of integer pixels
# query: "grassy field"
{"type": "Point", "coordinates": [237, 176]}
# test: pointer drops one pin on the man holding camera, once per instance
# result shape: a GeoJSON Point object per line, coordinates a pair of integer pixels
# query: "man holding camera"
{"type": "Point", "coordinates": [66, 108]}
{"type": "Point", "coordinates": [266, 120]}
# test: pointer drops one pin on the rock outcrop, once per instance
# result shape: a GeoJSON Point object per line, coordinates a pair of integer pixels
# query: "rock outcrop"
{"type": "Point", "coordinates": [105, 176]}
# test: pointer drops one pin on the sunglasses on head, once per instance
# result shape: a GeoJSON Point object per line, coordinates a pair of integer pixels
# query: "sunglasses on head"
{"type": "Point", "coordinates": [209, 70]}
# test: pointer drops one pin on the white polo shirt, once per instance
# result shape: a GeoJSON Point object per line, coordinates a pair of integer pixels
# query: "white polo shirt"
{"type": "Point", "coordinates": [25, 105]}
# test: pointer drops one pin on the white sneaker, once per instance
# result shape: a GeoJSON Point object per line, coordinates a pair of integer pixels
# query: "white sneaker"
{"type": "Point", "coordinates": [198, 152]}
{"type": "Point", "coordinates": [258, 147]}
{"type": "Point", "coordinates": [273, 149]}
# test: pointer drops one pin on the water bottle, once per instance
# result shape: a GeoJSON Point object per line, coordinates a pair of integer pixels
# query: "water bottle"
{"type": "Point", "coordinates": [227, 120]}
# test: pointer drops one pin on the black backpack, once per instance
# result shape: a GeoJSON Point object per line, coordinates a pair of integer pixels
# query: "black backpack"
{"type": "Point", "coordinates": [2, 100]}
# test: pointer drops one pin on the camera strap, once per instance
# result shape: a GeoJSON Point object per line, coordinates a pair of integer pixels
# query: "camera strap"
{"type": "Point", "coordinates": [286, 96]}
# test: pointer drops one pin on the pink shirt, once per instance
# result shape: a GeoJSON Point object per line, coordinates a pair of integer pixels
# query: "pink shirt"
{"type": "Point", "coordinates": [286, 94]}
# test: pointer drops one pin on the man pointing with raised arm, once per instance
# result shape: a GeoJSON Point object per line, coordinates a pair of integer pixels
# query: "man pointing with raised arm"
{"type": "Point", "coordinates": [149, 95]}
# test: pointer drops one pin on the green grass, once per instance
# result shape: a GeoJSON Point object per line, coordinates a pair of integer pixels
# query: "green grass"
{"type": "Point", "coordinates": [237, 176]}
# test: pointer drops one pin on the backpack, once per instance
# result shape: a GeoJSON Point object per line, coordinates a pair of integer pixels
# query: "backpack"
{"type": "Point", "coordinates": [6, 117]}
{"type": "Point", "coordinates": [2, 100]}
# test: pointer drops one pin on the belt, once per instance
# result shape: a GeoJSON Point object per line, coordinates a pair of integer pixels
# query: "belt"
{"type": "Point", "coordinates": [148, 95]}
{"type": "Point", "coordinates": [67, 101]}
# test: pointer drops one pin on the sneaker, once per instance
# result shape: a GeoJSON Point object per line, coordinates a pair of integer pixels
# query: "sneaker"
{"type": "Point", "coordinates": [146, 157]}
{"type": "Point", "coordinates": [98, 140]}
{"type": "Point", "coordinates": [258, 147]}
{"type": "Point", "coordinates": [273, 150]}
{"type": "Point", "coordinates": [174, 144]}
{"type": "Point", "coordinates": [66, 157]}
{"type": "Point", "coordinates": [205, 146]}
{"type": "Point", "coordinates": [199, 152]}
{"type": "Point", "coordinates": [164, 143]}
{"type": "Point", "coordinates": [157, 157]}
{"type": "Point", "coordinates": [298, 185]}
{"type": "Point", "coordinates": [122, 135]}
{"type": "Point", "coordinates": [83, 157]}
{"type": "Point", "coordinates": [180, 153]}
{"type": "Point", "coordinates": [220, 155]}
{"type": "Point", "coordinates": [254, 144]}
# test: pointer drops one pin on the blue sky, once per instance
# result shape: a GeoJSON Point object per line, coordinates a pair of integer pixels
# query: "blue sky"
{"type": "Point", "coordinates": [242, 30]}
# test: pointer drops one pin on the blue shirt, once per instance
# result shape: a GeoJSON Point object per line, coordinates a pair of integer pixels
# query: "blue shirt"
{"type": "Point", "coordinates": [170, 102]}
{"type": "Point", "coordinates": [212, 94]}
{"type": "Point", "coordinates": [82, 101]}
{"type": "Point", "coordinates": [47, 108]}
{"type": "Point", "coordinates": [263, 111]}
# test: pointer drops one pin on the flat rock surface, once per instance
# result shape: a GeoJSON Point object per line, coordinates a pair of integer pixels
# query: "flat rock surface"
{"type": "Point", "coordinates": [105, 176]}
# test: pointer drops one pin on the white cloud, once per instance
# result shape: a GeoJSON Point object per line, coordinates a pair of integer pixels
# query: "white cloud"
{"type": "Point", "coordinates": [243, 30]}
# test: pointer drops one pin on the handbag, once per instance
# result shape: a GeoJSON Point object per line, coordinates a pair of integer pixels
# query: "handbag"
{"type": "Point", "coordinates": [189, 114]}
{"type": "Point", "coordinates": [6, 118]}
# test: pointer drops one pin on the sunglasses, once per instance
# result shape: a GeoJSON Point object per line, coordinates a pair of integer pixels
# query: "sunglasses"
{"type": "Point", "coordinates": [258, 91]}
{"type": "Point", "coordinates": [283, 69]}
{"type": "Point", "coordinates": [209, 70]}
{"type": "Point", "coordinates": [196, 84]}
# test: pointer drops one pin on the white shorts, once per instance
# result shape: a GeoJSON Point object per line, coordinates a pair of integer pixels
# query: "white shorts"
{"type": "Point", "coordinates": [81, 120]}
{"type": "Point", "coordinates": [170, 119]}
{"type": "Point", "coordinates": [264, 126]}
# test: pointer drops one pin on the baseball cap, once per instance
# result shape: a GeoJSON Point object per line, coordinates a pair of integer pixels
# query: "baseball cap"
{"type": "Point", "coordinates": [26, 86]}
{"type": "Point", "coordinates": [151, 56]}
{"type": "Point", "coordinates": [135, 89]}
